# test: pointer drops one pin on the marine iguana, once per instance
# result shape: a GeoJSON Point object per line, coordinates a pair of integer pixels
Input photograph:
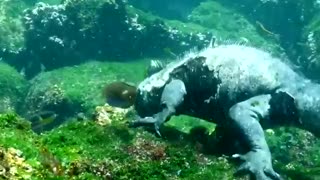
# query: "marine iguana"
{"type": "Point", "coordinates": [240, 88]}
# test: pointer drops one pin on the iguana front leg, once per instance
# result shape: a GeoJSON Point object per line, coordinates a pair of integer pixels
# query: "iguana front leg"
{"type": "Point", "coordinates": [245, 117]}
{"type": "Point", "coordinates": [171, 97]}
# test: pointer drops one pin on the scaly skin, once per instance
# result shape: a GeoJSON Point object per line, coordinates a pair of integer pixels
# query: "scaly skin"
{"type": "Point", "coordinates": [237, 87]}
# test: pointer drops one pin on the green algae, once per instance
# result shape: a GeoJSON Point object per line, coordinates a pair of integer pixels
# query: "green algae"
{"type": "Point", "coordinates": [72, 90]}
{"type": "Point", "coordinates": [13, 88]}
{"type": "Point", "coordinates": [84, 149]}
{"type": "Point", "coordinates": [11, 27]}
{"type": "Point", "coordinates": [229, 25]}
{"type": "Point", "coordinates": [186, 124]}
{"type": "Point", "coordinates": [296, 152]}
{"type": "Point", "coordinates": [184, 27]}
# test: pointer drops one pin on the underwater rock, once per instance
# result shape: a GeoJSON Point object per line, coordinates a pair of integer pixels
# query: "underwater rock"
{"type": "Point", "coordinates": [170, 9]}
{"type": "Point", "coordinates": [16, 145]}
{"type": "Point", "coordinates": [231, 26]}
{"type": "Point", "coordinates": [116, 152]}
{"type": "Point", "coordinates": [13, 87]}
{"type": "Point", "coordinates": [45, 36]}
{"type": "Point", "coordinates": [301, 149]}
{"type": "Point", "coordinates": [13, 164]}
{"type": "Point", "coordinates": [11, 28]}
{"type": "Point", "coordinates": [70, 33]}
{"type": "Point", "coordinates": [225, 24]}
{"type": "Point", "coordinates": [104, 115]}
{"type": "Point", "coordinates": [72, 90]}
{"type": "Point", "coordinates": [310, 58]}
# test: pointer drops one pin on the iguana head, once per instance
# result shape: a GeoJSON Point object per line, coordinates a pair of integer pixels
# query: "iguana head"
{"type": "Point", "coordinates": [148, 103]}
{"type": "Point", "coordinates": [122, 95]}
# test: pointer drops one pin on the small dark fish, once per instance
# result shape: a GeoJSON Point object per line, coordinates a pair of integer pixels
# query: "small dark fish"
{"type": "Point", "coordinates": [169, 52]}
{"type": "Point", "coordinates": [120, 94]}
{"type": "Point", "coordinates": [41, 119]}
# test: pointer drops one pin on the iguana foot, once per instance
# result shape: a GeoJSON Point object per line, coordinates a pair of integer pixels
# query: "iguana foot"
{"type": "Point", "coordinates": [171, 97]}
{"type": "Point", "coordinates": [258, 164]}
{"type": "Point", "coordinates": [246, 117]}
{"type": "Point", "coordinates": [147, 121]}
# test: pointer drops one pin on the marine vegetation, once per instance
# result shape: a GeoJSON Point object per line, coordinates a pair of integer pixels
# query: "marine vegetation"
{"type": "Point", "coordinates": [11, 29]}
{"type": "Point", "coordinates": [70, 71]}
{"type": "Point", "coordinates": [112, 151]}
{"type": "Point", "coordinates": [13, 89]}
{"type": "Point", "coordinates": [75, 91]}
{"type": "Point", "coordinates": [100, 149]}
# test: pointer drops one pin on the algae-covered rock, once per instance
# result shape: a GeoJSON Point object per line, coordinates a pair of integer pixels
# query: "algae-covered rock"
{"type": "Point", "coordinates": [88, 150]}
{"type": "Point", "coordinates": [13, 87]}
{"type": "Point", "coordinates": [310, 58]}
{"type": "Point", "coordinates": [170, 9]}
{"type": "Point", "coordinates": [17, 147]}
{"type": "Point", "coordinates": [225, 25]}
{"type": "Point", "coordinates": [116, 152]}
{"type": "Point", "coordinates": [12, 31]}
{"type": "Point", "coordinates": [72, 32]}
{"type": "Point", "coordinates": [104, 115]}
{"type": "Point", "coordinates": [229, 25]}
{"type": "Point", "coordinates": [70, 91]}
{"type": "Point", "coordinates": [295, 152]}
{"type": "Point", "coordinates": [11, 27]}
{"type": "Point", "coordinates": [82, 150]}
{"type": "Point", "coordinates": [12, 160]}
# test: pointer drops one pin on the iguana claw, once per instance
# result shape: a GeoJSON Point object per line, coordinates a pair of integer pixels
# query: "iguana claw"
{"type": "Point", "coordinates": [157, 129]}
{"type": "Point", "coordinates": [145, 122]}
{"type": "Point", "coordinates": [258, 164]}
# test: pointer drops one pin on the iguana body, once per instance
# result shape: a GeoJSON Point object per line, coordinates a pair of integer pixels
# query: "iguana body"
{"type": "Point", "coordinates": [240, 88]}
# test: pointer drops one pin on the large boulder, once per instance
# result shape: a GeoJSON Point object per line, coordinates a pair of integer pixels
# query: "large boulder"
{"type": "Point", "coordinates": [74, 91]}
{"type": "Point", "coordinates": [11, 27]}
{"type": "Point", "coordinates": [70, 33]}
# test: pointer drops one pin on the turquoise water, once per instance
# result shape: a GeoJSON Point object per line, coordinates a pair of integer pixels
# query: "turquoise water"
{"type": "Point", "coordinates": [57, 57]}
